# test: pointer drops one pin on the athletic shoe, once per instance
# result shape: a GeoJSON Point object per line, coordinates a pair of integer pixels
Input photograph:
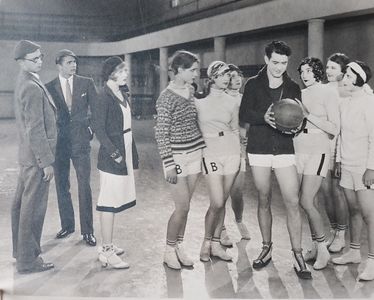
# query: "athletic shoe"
{"type": "Point", "coordinates": [225, 239]}
{"type": "Point", "coordinates": [243, 230]}
{"type": "Point", "coordinates": [311, 254]}
{"type": "Point", "coordinates": [218, 251]}
{"type": "Point", "coordinates": [331, 237]}
{"type": "Point", "coordinates": [368, 273]}
{"type": "Point", "coordinates": [339, 242]}
{"type": "Point", "coordinates": [182, 256]}
{"type": "Point", "coordinates": [300, 267]}
{"type": "Point", "coordinates": [264, 258]}
{"type": "Point", "coordinates": [323, 257]}
{"type": "Point", "coordinates": [171, 259]}
{"type": "Point", "coordinates": [205, 251]}
{"type": "Point", "coordinates": [353, 256]}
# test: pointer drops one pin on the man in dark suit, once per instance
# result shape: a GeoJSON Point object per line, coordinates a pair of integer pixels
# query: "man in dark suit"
{"type": "Point", "coordinates": [74, 96]}
{"type": "Point", "coordinates": [35, 116]}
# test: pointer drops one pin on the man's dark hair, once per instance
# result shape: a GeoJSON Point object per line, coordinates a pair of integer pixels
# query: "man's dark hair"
{"type": "Point", "coordinates": [278, 47]}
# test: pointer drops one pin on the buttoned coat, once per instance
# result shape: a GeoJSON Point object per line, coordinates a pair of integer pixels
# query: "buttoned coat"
{"type": "Point", "coordinates": [74, 125]}
{"type": "Point", "coordinates": [108, 125]}
{"type": "Point", "coordinates": [36, 120]}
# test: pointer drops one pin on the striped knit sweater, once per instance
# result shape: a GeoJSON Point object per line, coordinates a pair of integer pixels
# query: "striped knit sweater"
{"type": "Point", "coordinates": [176, 129]}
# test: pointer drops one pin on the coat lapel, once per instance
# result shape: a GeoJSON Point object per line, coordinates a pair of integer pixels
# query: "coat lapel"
{"type": "Point", "coordinates": [49, 97]}
{"type": "Point", "coordinates": [60, 94]}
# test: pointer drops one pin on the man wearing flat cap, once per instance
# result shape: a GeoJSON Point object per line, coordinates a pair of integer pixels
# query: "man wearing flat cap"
{"type": "Point", "coordinates": [35, 116]}
{"type": "Point", "coordinates": [74, 96]}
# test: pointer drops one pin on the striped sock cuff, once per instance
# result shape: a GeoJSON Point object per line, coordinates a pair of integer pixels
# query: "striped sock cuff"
{"type": "Point", "coordinates": [333, 225]}
{"type": "Point", "coordinates": [208, 238]}
{"type": "Point", "coordinates": [342, 227]}
{"type": "Point", "coordinates": [216, 239]}
{"type": "Point", "coordinates": [313, 235]}
{"type": "Point", "coordinates": [171, 243]}
{"type": "Point", "coordinates": [180, 238]}
{"type": "Point", "coordinates": [355, 246]}
{"type": "Point", "coordinates": [370, 255]}
{"type": "Point", "coordinates": [321, 239]}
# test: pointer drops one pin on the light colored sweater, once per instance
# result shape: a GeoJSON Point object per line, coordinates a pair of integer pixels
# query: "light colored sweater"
{"type": "Point", "coordinates": [356, 144]}
{"type": "Point", "coordinates": [323, 122]}
{"type": "Point", "coordinates": [219, 112]}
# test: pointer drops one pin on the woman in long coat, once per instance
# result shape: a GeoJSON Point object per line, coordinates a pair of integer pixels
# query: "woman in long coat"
{"type": "Point", "coordinates": [117, 157]}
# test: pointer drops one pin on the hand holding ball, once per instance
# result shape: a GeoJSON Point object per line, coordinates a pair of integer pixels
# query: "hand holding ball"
{"type": "Point", "coordinates": [288, 115]}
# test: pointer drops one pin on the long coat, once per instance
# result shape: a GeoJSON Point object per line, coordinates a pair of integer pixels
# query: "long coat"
{"type": "Point", "coordinates": [108, 126]}
{"type": "Point", "coordinates": [35, 116]}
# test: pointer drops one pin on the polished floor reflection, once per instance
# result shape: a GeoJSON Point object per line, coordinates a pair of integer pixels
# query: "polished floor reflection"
{"type": "Point", "coordinates": [141, 232]}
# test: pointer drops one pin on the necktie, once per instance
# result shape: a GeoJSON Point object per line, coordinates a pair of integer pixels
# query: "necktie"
{"type": "Point", "coordinates": [68, 96]}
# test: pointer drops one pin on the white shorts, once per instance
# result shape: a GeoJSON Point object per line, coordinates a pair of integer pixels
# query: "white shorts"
{"type": "Point", "coordinates": [271, 161]}
{"type": "Point", "coordinates": [221, 165]}
{"type": "Point", "coordinates": [312, 164]}
{"type": "Point", "coordinates": [353, 181]}
{"type": "Point", "coordinates": [188, 163]}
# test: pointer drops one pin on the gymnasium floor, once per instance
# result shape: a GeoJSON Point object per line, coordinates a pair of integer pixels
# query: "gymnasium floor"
{"type": "Point", "coordinates": [141, 232]}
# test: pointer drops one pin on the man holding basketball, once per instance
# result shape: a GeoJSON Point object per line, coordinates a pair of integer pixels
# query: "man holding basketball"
{"type": "Point", "coordinates": [270, 149]}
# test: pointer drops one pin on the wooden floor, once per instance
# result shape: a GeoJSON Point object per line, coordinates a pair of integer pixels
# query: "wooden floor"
{"type": "Point", "coordinates": [141, 232]}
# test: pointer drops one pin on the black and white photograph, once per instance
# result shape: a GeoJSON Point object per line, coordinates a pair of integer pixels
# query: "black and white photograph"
{"type": "Point", "coordinates": [198, 149]}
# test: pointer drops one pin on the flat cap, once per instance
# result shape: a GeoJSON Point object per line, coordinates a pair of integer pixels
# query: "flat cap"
{"type": "Point", "coordinates": [109, 66]}
{"type": "Point", "coordinates": [62, 53]}
{"type": "Point", "coordinates": [23, 48]}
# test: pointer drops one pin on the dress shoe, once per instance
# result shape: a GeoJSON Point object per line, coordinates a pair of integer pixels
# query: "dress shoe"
{"type": "Point", "coordinates": [41, 267]}
{"type": "Point", "coordinates": [63, 233]}
{"type": "Point", "coordinates": [109, 258]}
{"type": "Point", "coordinates": [90, 239]}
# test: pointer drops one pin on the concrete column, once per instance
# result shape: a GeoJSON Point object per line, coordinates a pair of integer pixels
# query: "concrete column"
{"type": "Point", "coordinates": [220, 48]}
{"type": "Point", "coordinates": [315, 38]}
{"type": "Point", "coordinates": [129, 66]}
{"type": "Point", "coordinates": [163, 68]}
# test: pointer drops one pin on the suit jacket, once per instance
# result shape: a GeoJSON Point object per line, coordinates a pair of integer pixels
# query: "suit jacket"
{"type": "Point", "coordinates": [35, 117]}
{"type": "Point", "coordinates": [74, 126]}
{"type": "Point", "coordinates": [108, 127]}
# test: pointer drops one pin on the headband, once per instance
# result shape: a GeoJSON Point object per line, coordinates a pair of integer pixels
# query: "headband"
{"type": "Point", "coordinates": [217, 68]}
{"type": "Point", "coordinates": [358, 69]}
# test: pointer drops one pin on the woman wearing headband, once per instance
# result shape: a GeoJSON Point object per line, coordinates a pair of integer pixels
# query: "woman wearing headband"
{"type": "Point", "coordinates": [236, 192]}
{"type": "Point", "coordinates": [336, 206]}
{"type": "Point", "coordinates": [179, 142]}
{"type": "Point", "coordinates": [312, 148]}
{"type": "Point", "coordinates": [117, 156]}
{"type": "Point", "coordinates": [218, 120]}
{"type": "Point", "coordinates": [355, 162]}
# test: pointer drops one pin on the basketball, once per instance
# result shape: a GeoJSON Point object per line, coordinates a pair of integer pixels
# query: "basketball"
{"type": "Point", "coordinates": [288, 114]}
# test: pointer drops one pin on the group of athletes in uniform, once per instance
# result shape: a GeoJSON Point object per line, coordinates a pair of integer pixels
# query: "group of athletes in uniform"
{"type": "Point", "coordinates": [217, 132]}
